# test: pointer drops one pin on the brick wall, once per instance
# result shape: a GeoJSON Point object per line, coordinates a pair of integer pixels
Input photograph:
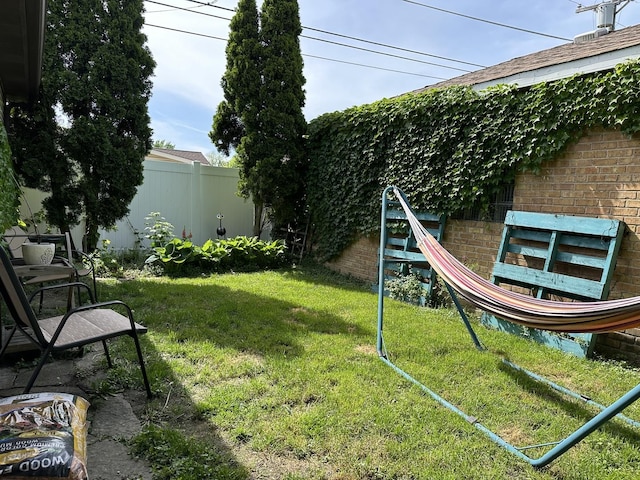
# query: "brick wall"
{"type": "Point", "coordinates": [599, 176]}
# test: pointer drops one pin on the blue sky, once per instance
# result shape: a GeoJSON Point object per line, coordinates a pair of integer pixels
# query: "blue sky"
{"type": "Point", "coordinates": [187, 89]}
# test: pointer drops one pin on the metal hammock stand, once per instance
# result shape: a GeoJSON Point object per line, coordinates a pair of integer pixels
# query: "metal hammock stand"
{"type": "Point", "coordinates": [558, 447]}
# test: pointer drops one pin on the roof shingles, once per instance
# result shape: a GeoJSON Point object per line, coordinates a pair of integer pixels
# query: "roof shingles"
{"type": "Point", "coordinates": [617, 40]}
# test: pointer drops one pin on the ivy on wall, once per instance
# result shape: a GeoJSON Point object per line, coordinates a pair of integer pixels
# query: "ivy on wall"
{"type": "Point", "coordinates": [8, 188]}
{"type": "Point", "coordinates": [453, 148]}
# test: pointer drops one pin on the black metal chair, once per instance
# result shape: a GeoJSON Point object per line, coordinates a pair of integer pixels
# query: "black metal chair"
{"type": "Point", "coordinates": [83, 325]}
{"type": "Point", "coordinates": [66, 264]}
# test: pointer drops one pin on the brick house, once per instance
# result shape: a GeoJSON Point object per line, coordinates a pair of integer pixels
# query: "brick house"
{"type": "Point", "coordinates": [599, 176]}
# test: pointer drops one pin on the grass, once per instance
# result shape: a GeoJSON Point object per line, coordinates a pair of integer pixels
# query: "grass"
{"type": "Point", "coordinates": [277, 372]}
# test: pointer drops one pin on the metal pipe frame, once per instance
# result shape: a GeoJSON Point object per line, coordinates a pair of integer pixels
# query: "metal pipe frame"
{"type": "Point", "coordinates": [560, 447]}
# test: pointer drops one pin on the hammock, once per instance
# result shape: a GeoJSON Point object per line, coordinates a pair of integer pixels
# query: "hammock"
{"type": "Point", "coordinates": [586, 317]}
{"type": "Point", "coordinates": [572, 317]}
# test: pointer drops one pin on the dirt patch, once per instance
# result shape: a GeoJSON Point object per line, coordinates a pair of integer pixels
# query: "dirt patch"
{"type": "Point", "coordinates": [366, 349]}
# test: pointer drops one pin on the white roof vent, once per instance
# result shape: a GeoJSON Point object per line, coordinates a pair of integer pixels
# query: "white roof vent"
{"type": "Point", "coordinates": [606, 18]}
{"type": "Point", "coordinates": [588, 36]}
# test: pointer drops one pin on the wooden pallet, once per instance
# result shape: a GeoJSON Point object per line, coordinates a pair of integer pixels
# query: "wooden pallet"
{"type": "Point", "coordinates": [557, 256]}
{"type": "Point", "coordinates": [401, 254]}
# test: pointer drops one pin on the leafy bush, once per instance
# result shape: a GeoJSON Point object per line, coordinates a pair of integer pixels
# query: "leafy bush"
{"type": "Point", "coordinates": [159, 231]}
{"type": "Point", "coordinates": [129, 263]}
{"type": "Point", "coordinates": [8, 188]}
{"type": "Point", "coordinates": [407, 288]}
{"type": "Point", "coordinates": [240, 253]}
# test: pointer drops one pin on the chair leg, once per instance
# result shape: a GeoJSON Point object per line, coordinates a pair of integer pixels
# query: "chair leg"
{"type": "Point", "coordinates": [36, 372]}
{"type": "Point", "coordinates": [5, 344]}
{"type": "Point", "coordinates": [95, 286]}
{"type": "Point", "coordinates": [41, 301]}
{"type": "Point", "coordinates": [145, 379]}
{"type": "Point", "coordinates": [106, 353]}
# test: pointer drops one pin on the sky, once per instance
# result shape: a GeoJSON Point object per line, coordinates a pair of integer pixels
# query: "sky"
{"type": "Point", "coordinates": [341, 72]}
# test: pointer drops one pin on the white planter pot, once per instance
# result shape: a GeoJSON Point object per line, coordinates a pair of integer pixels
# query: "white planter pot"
{"type": "Point", "coordinates": [38, 253]}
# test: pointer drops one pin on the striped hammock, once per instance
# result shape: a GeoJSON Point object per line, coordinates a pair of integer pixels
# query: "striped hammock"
{"type": "Point", "coordinates": [571, 317]}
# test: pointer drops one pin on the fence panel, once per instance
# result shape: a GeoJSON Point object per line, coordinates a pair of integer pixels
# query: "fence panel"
{"type": "Point", "coordinates": [188, 196]}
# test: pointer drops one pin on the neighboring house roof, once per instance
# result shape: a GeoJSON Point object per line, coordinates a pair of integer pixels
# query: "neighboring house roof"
{"type": "Point", "coordinates": [177, 156]}
{"type": "Point", "coordinates": [22, 26]}
{"type": "Point", "coordinates": [600, 54]}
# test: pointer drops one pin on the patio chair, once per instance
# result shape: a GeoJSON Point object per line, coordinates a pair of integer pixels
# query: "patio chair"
{"type": "Point", "coordinates": [80, 326]}
{"type": "Point", "coordinates": [78, 264]}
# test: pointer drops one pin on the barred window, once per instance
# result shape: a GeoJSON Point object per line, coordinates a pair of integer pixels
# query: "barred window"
{"type": "Point", "coordinates": [497, 209]}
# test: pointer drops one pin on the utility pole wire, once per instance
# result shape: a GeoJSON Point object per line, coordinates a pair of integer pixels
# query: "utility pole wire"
{"type": "Point", "coordinates": [372, 66]}
{"type": "Point", "coordinates": [395, 48]}
{"type": "Point", "coordinates": [304, 54]}
{"type": "Point", "coordinates": [486, 21]}
{"type": "Point", "coordinates": [353, 38]}
{"type": "Point", "coordinates": [384, 53]}
{"type": "Point", "coordinates": [345, 45]}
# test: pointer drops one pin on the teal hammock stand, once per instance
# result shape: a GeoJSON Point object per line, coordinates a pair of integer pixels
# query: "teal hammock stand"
{"type": "Point", "coordinates": [556, 448]}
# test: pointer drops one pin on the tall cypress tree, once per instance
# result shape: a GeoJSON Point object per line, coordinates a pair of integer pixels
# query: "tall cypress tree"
{"type": "Point", "coordinates": [241, 80]}
{"type": "Point", "coordinates": [235, 122]}
{"type": "Point", "coordinates": [261, 116]}
{"type": "Point", "coordinates": [96, 78]}
{"type": "Point", "coordinates": [281, 170]}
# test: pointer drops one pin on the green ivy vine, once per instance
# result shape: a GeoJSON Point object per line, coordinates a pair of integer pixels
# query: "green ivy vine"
{"type": "Point", "coordinates": [453, 148]}
{"type": "Point", "coordinates": [8, 188]}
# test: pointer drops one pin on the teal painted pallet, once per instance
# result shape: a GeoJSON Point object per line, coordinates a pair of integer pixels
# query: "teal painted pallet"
{"type": "Point", "coordinates": [401, 253]}
{"type": "Point", "coordinates": [562, 256]}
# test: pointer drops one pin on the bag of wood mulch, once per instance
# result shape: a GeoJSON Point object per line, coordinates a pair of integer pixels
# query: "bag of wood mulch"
{"type": "Point", "coordinates": [43, 436]}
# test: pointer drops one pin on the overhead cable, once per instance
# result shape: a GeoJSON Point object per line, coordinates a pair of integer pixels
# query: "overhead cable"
{"type": "Point", "coordinates": [345, 45]}
{"type": "Point", "coordinates": [304, 54]}
{"type": "Point", "coordinates": [487, 21]}
{"type": "Point", "coordinates": [371, 42]}
{"type": "Point", "coordinates": [374, 67]}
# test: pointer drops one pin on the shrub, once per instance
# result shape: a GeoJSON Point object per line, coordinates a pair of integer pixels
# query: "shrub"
{"type": "Point", "coordinates": [239, 253]}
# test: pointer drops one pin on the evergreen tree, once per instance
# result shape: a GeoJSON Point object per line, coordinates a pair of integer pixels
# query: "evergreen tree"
{"type": "Point", "coordinates": [240, 82]}
{"type": "Point", "coordinates": [236, 118]}
{"type": "Point", "coordinates": [163, 144]}
{"type": "Point", "coordinates": [280, 173]}
{"type": "Point", "coordinates": [261, 115]}
{"type": "Point", "coordinates": [96, 79]}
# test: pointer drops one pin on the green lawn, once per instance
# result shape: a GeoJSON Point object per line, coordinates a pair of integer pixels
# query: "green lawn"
{"type": "Point", "coordinates": [280, 368]}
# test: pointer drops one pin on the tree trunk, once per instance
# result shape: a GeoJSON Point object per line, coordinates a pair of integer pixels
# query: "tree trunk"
{"type": "Point", "coordinates": [257, 220]}
{"type": "Point", "coordinates": [91, 237]}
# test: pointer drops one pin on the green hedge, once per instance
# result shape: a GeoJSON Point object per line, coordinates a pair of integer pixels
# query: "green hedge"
{"type": "Point", "coordinates": [8, 187]}
{"type": "Point", "coordinates": [453, 148]}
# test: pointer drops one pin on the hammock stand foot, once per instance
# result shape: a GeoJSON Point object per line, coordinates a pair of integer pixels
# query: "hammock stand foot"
{"type": "Point", "coordinates": [558, 448]}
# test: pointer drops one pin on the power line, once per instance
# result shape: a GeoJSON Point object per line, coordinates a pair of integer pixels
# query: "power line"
{"type": "Point", "coordinates": [371, 66]}
{"type": "Point", "coordinates": [190, 10]}
{"type": "Point", "coordinates": [345, 45]}
{"type": "Point", "coordinates": [173, 9]}
{"type": "Point", "coordinates": [486, 21]}
{"type": "Point", "coordinates": [185, 31]}
{"type": "Point", "coordinates": [362, 49]}
{"type": "Point", "coordinates": [371, 42]}
{"type": "Point", "coordinates": [393, 47]}
{"type": "Point", "coordinates": [304, 54]}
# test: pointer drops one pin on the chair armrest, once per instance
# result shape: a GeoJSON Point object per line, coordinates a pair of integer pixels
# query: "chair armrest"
{"type": "Point", "coordinates": [65, 285]}
{"type": "Point", "coordinates": [84, 257]}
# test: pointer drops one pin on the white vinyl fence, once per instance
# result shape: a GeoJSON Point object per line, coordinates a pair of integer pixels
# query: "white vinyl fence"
{"type": "Point", "coordinates": [189, 196]}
